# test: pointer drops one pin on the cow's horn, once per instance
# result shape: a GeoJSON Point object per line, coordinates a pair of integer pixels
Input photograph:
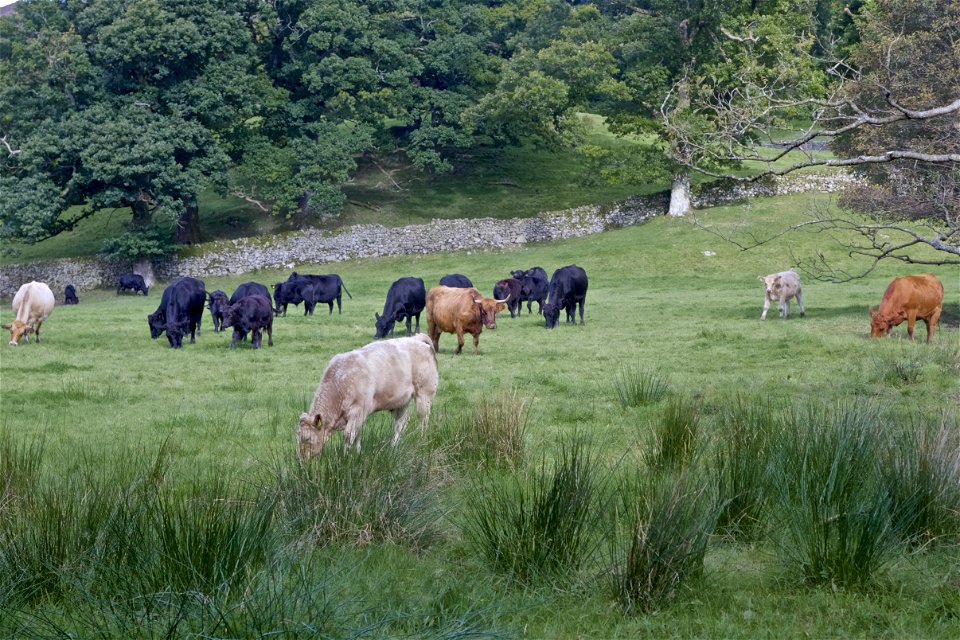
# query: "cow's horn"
{"type": "Point", "coordinates": [502, 301]}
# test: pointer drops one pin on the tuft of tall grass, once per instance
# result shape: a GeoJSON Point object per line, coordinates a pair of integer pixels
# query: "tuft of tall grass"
{"type": "Point", "coordinates": [658, 544]}
{"type": "Point", "coordinates": [636, 386]}
{"type": "Point", "coordinates": [675, 435]}
{"type": "Point", "coordinates": [922, 474]}
{"type": "Point", "coordinates": [837, 522]}
{"type": "Point", "coordinates": [491, 433]}
{"type": "Point", "coordinates": [538, 525]}
{"type": "Point", "coordinates": [381, 494]}
{"type": "Point", "coordinates": [905, 367]}
{"type": "Point", "coordinates": [19, 471]}
{"type": "Point", "coordinates": [741, 456]}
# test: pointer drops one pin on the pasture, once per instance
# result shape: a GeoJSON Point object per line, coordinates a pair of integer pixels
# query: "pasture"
{"type": "Point", "coordinates": [100, 412]}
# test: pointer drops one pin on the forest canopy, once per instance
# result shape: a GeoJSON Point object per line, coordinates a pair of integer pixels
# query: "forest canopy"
{"type": "Point", "coordinates": [143, 105]}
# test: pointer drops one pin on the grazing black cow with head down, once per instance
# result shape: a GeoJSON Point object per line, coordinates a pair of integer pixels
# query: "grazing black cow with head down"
{"type": "Point", "coordinates": [70, 295]}
{"type": "Point", "coordinates": [509, 289]}
{"type": "Point", "coordinates": [325, 288]}
{"type": "Point", "coordinates": [218, 302]}
{"type": "Point", "coordinates": [251, 313]}
{"type": "Point", "coordinates": [405, 299]}
{"type": "Point", "coordinates": [131, 281]}
{"type": "Point", "coordinates": [568, 288]}
{"type": "Point", "coordinates": [180, 310]}
{"type": "Point", "coordinates": [289, 292]}
{"type": "Point", "coordinates": [249, 289]}
{"type": "Point", "coordinates": [456, 280]}
{"type": "Point", "coordinates": [535, 287]}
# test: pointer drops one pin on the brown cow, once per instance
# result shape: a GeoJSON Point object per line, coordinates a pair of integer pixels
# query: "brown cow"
{"type": "Point", "coordinates": [459, 311]}
{"type": "Point", "coordinates": [382, 376]}
{"type": "Point", "coordinates": [908, 298]}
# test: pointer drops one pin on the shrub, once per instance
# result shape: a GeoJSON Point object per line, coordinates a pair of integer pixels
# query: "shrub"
{"type": "Point", "coordinates": [837, 521]}
{"type": "Point", "coordinates": [740, 458]}
{"type": "Point", "coordinates": [675, 435]}
{"type": "Point", "coordinates": [660, 541]}
{"type": "Point", "coordinates": [541, 525]}
{"type": "Point", "coordinates": [637, 387]}
{"type": "Point", "coordinates": [490, 434]}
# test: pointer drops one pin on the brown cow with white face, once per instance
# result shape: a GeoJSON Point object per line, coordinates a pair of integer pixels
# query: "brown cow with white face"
{"type": "Point", "coordinates": [909, 298]}
{"type": "Point", "coordinates": [460, 311]}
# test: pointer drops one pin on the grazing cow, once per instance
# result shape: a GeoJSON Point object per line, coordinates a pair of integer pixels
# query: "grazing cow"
{"type": "Point", "coordinates": [382, 376]}
{"type": "Point", "coordinates": [781, 287]}
{"type": "Point", "coordinates": [180, 310]}
{"type": "Point", "coordinates": [251, 313]}
{"type": "Point", "coordinates": [568, 288]}
{"type": "Point", "coordinates": [290, 292]}
{"type": "Point", "coordinates": [32, 305]}
{"type": "Point", "coordinates": [456, 280]}
{"type": "Point", "coordinates": [509, 289]}
{"type": "Point", "coordinates": [909, 298]}
{"type": "Point", "coordinates": [535, 287]}
{"type": "Point", "coordinates": [218, 302]}
{"type": "Point", "coordinates": [249, 289]}
{"type": "Point", "coordinates": [405, 299]}
{"type": "Point", "coordinates": [70, 295]}
{"type": "Point", "coordinates": [132, 281]}
{"type": "Point", "coordinates": [459, 311]}
{"type": "Point", "coordinates": [325, 288]}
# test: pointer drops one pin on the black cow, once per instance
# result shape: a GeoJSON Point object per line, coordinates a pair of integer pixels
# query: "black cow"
{"type": "Point", "coordinates": [568, 288]}
{"type": "Point", "coordinates": [535, 287]}
{"type": "Point", "coordinates": [290, 292]}
{"type": "Point", "coordinates": [131, 281]}
{"type": "Point", "coordinates": [180, 310]}
{"type": "Point", "coordinates": [405, 299]}
{"type": "Point", "coordinates": [509, 289]}
{"type": "Point", "coordinates": [251, 313]}
{"type": "Point", "coordinates": [218, 302]}
{"type": "Point", "coordinates": [249, 289]}
{"type": "Point", "coordinates": [326, 288]}
{"type": "Point", "coordinates": [70, 295]}
{"type": "Point", "coordinates": [456, 280]}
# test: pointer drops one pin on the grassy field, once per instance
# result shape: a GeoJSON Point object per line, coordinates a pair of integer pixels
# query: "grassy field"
{"type": "Point", "coordinates": [98, 413]}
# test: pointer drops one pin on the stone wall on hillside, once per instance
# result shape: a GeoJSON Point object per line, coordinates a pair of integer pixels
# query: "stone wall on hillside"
{"type": "Point", "coordinates": [312, 246]}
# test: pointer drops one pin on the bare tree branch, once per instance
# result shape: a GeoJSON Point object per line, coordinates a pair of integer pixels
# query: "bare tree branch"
{"type": "Point", "coordinates": [10, 150]}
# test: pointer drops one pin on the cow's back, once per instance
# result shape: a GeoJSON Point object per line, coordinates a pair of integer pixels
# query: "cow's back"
{"type": "Point", "coordinates": [33, 301]}
{"type": "Point", "coordinates": [445, 304]}
{"type": "Point", "coordinates": [924, 293]}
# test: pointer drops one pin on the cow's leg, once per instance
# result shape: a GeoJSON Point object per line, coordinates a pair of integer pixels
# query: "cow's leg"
{"type": "Point", "coordinates": [417, 330]}
{"type": "Point", "coordinates": [408, 325]}
{"type": "Point", "coordinates": [424, 398]}
{"type": "Point", "coordinates": [256, 338]}
{"type": "Point", "coordinates": [434, 334]}
{"type": "Point", "coordinates": [931, 324]}
{"type": "Point", "coordinates": [339, 308]}
{"type": "Point", "coordinates": [803, 310]}
{"type": "Point", "coordinates": [460, 342]}
{"type": "Point", "coordinates": [400, 418]}
{"type": "Point", "coordinates": [270, 334]}
{"type": "Point", "coordinates": [582, 302]}
{"type": "Point", "coordinates": [476, 343]}
{"type": "Point", "coordinates": [36, 331]}
{"type": "Point", "coordinates": [766, 307]}
{"type": "Point", "coordinates": [784, 308]}
{"type": "Point", "coordinates": [330, 304]}
{"type": "Point", "coordinates": [235, 339]}
{"type": "Point", "coordinates": [911, 320]}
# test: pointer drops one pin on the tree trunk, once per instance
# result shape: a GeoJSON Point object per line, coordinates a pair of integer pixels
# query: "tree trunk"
{"type": "Point", "coordinates": [142, 214]}
{"type": "Point", "coordinates": [188, 224]}
{"type": "Point", "coordinates": [680, 195]}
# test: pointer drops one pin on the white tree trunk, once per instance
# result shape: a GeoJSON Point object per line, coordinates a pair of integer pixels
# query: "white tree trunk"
{"type": "Point", "coordinates": [680, 195]}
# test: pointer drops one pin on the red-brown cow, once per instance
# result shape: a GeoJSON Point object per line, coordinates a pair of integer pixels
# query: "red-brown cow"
{"type": "Point", "coordinates": [909, 298]}
{"type": "Point", "coordinates": [459, 311]}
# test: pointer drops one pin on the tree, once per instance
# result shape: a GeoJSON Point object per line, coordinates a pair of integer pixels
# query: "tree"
{"type": "Point", "coordinates": [891, 118]}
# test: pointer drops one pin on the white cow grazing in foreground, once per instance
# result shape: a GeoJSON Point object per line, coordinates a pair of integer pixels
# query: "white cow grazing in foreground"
{"type": "Point", "coordinates": [781, 287]}
{"type": "Point", "coordinates": [32, 305]}
{"type": "Point", "coordinates": [382, 376]}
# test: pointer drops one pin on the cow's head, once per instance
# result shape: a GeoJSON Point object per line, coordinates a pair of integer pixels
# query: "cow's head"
{"type": "Point", "coordinates": [175, 333]}
{"type": "Point", "coordinates": [551, 314]}
{"type": "Point", "coordinates": [518, 274]}
{"type": "Point", "coordinates": [17, 329]}
{"type": "Point", "coordinates": [384, 325]}
{"type": "Point", "coordinates": [158, 322]}
{"type": "Point", "coordinates": [489, 308]}
{"type": "Point", "coordinates": [231, 313]}
{"type": "Point", "coordinates": [310, 437]}
{"type": "Point", "coordinates": [881, 324]}
{"type": "Point", "coordinates": [771, 284]}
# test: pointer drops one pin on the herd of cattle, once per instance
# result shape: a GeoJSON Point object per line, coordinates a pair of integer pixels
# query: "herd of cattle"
{"type": "Point", "coordinates": [387, 375]}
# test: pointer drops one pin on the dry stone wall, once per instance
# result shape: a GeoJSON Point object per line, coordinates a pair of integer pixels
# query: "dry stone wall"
{"type": "Point", "coordinates": [287, 251]}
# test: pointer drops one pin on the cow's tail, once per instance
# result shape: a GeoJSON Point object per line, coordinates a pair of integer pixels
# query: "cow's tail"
{"type": "Point", "coordinates": [345, 289]}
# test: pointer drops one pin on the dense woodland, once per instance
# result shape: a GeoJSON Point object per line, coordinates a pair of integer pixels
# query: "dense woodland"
{"type": "Point", "coordinates": [145, 104]}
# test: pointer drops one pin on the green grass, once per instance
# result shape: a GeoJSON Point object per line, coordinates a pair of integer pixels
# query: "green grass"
{"type": "Point", "coordinates": [92, 409]}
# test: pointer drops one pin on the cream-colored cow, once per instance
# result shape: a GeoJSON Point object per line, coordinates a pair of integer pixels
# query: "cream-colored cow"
{"type": "Point", "coordinates": [780, 287]}
{"type": "Point", "coordinates": [32, 305]}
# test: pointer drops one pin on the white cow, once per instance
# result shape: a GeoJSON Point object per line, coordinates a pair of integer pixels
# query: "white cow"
{"type": "Point", "coordinates": [382, 376]}
{"type": "Point", "coordinates": [32, 305]}
{"type": "Point", "coordinates": [780, 287]}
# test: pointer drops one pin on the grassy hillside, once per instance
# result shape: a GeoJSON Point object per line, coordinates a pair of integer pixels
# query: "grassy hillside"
{"type": "Point", "coordinates": [98, 405]}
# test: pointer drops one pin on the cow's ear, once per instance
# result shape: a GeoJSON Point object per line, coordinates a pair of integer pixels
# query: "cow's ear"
{"type": "Point", "coordinates": [501, 306]}
{"type": "Point", "coordinates": [761, 279]}
{"type": "Point", "coordinates": [316, 421]}
{"type": "Point", "coordinates": [376, 315]}
{"type": "Point", "coordinates": [873, 313]}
